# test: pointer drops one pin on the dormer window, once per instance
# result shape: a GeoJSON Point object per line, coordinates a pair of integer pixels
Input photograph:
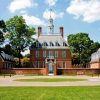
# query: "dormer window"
{"type": "Point", "coordinates": [51, 44]}
{"type": "Point", "coordinates": [37, 44]}
{"type": "Point", "coordinates": [44, 44]}
{"type": "Point", "coordinates": [57, 44]}
{"type": "Point", "coordinates": [64, 44]}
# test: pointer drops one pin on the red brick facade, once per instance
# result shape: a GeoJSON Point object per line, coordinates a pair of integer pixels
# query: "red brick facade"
{"type": "Point", "coordinates": [61, 62]}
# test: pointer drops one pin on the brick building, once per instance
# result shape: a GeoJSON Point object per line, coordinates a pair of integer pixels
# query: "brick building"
{"type": "Point", "coordinates": [95, 59]}
{"type": "Point", "coordinates": [6, 61]}
{"type": "Point", "coordinates": [50, 52]}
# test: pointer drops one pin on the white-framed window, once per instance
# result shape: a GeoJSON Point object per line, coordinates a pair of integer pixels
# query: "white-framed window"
{"type": "Point", "coordinates": [64, 64]}
{"type": "Point", "coordinates": [36, 54]}
{"type": "Point", "coordinates": [56, 43]}
{"type": "Point", "coordinates": [64, 54]}
{"type": "Point", "coordinates": [37, 44]}
{"type": "Point", "coordinates": [51, 44]}
{"type": "Point", "coordinates": [44, 44]}
{"type": "Point", "coordinates": [43, 64]}
{"type": "Point", "coordinates": [64, 44]}
{"type": "Point", "coordinates": [56, 54]}
{"type": "Point", "coordinates": [44, 53]}
{"type": "Point", "coordinates": [36, 64]}
{"type": "Point", "coordinates": [50, 53]}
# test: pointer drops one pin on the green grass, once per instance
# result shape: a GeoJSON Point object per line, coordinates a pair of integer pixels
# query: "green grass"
{"type": "Point", "coordinates": [32, 74]}
{"type": "Point", "coordinates": [50, 93]}
{"type": "Point", "coordinates": [50, 80]}
{"type": "Point", "coordinates": [6, 74]}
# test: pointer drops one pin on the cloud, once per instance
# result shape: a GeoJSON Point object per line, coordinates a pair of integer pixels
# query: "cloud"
{"type": "Point", "coordinates": [54, 15]}
{"type": "Point", "coordinates": [50, 2]}
{"type": "Point", "coordinates": [32, 20]}
{"type": "Point", "coordinates": [89, 10]}
{"type": "Point", "coordinates": [21, 4]}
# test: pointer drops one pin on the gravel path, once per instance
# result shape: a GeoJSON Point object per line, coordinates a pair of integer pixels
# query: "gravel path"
{"type": "Point", "coordinates": [9, 81]}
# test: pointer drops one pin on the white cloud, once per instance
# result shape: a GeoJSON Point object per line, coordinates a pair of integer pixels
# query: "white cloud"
{"type": "Point", "coordinates": [32, 20]}
{"type": "Point", "coordinates": [54, 15]}
{"type": "Point", "coordinates": [21, 4]}
{"type": "Point", "coordinates": [88, 9]}
{"type": "Point", "coordinates": [23, 12]}
{"type": "Point", "coordinates": [50, 2]}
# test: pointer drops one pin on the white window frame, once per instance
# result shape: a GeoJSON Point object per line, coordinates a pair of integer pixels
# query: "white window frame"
{"type": "Point", "coordinates": [50, 53]}
{"type": "Point", "coordinates": [64, 64]}
{"type": "Point", "coordinates": [56, 54]}
{"type": "Point", "coordinates": [44, 53]}
{"type": "Point", "coordinates": [64, 54]}
{"type": "Point", "coordinates": [36, 54]}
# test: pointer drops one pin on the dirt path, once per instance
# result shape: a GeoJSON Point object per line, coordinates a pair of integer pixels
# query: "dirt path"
{"type": "Point", "coordinates": [9, 81]}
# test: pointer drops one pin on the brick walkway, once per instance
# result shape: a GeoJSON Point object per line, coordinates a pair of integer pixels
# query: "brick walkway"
{"type": "Point", "coordinates": [9, 81]}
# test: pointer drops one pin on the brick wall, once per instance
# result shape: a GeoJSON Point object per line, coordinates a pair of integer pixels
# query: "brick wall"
{"type": "Point", "coordinates": [79, 71]}
{"type": "Point", "coordinates": [40, 71]}
{"type": "Point", "coordinates": [43, 71]}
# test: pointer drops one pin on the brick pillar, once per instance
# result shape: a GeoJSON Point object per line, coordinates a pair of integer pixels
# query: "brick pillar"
{"type": "Point", "coordinates": [61, 31]}
{"type": "Point", "coordinates": [39, 31]}
{"type": "Point", "coordinates": [46, 68]}
{"type": "Point", "coordinates": [55, 70]}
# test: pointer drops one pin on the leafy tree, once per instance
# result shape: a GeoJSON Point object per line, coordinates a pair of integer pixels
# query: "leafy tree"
{"type": "Point", "coordinates": [2, 30]}
{"type": "Point", "coordinates": [19, 34]}
{"type": "Point", "coordinates": [82, 47]}
{"type": "Point", "coordinates": [27, 55]}
{"type": "Point", "coordinates": [9, 50]}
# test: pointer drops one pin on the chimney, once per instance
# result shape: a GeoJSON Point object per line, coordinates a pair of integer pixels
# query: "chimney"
{"type": "Point", "coordinates": [39, 31]}
{"type": "Point", "coordinates": [61, 31]}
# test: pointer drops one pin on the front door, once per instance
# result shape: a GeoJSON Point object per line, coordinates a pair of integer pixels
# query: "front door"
{"type": "Point", "coordinates": [50, 67]}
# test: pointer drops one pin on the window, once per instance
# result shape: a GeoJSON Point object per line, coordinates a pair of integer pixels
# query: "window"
{"type": "Point", "coordinates": [44, 53]}
{"type": "Point", "coordinates": [44, 44]}
{"type": "Point", "coordinates": [43, 64]}
{"type": "Point", "coordinates": [64, 44]}
{"type": "Point", "coordinates": [50, 53]}
{"type": "Point", "coordinates": [36, 54]}
{"type": "Point", "coordinates": [37, 44]}
{"type": "Point", "coordinates": [57, 44]}
{"type": "Point", "coordinates": [51, 44]}
{"type": "Point", "coordinates": [64, 54]}
{"type": "Point", "coordinates": [36, 64]}
{"type": "Point", "coordinates": [56, 54]}
{"type": "Point", "coordinates": [64, 64]}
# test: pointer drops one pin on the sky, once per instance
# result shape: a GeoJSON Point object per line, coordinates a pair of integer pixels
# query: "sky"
{"type": "Point", "coordinates": [74, 15]}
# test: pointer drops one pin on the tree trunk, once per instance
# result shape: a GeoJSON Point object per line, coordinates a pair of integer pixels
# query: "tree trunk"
{"type": "Point", "coordinates": [19, 62]}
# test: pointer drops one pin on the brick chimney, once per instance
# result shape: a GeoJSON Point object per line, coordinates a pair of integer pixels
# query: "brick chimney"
{"type": "Point", "coordinates": [39, 31]}
{"type": "Point", "coordinates": [61, 31]}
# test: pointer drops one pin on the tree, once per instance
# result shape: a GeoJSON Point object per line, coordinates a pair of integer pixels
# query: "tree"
{"type": "Point", "coordinates": [19, 34]}
{"type": "Point", "coordinates": [82, 47]}
{"type": "Point", "coordinates": [2, 30]}
{"type": "Point", "coordinates": [9, 50]}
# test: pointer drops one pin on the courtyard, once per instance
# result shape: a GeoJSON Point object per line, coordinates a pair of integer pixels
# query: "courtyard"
{"type": "Point", "coordinates": [22, 80]}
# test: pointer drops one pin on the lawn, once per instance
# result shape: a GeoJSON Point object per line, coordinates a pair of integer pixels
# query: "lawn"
{"type": "Point", "coordinates": [50, 93]}
{"type": "Point", "coordinates": [50, 80]}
